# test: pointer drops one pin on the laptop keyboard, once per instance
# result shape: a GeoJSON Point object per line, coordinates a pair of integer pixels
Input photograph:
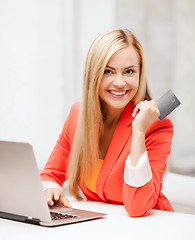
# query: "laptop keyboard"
{"type": "Point", "coordinates": [60, 216]}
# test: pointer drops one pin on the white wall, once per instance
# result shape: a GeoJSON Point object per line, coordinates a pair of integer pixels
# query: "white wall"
{"type": "Point", "coordinates": [32, 76]}
{"type": "Point", "coordinates": [43, 44]}
{"type": "Point", "coordinates": [184, 83]}
{"type": "Point", "coordinates": [84, 20]}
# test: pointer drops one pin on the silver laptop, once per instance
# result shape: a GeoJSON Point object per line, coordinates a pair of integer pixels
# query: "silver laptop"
{"type": "Point", "coordinates": [22, 197]}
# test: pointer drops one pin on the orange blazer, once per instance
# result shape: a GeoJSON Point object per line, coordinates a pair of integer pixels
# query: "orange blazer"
{"type": "Point", "coordinates": [110, 185]}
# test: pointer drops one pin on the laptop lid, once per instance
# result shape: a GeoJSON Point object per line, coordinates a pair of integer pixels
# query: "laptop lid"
{"type": "Point", "coordinates": [22, 196]}
{"type": "Point", "coordinates": [21, 191]}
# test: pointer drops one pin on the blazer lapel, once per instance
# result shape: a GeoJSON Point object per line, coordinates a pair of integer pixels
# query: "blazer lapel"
{"type": "Point", "coordinates": [119, 139]}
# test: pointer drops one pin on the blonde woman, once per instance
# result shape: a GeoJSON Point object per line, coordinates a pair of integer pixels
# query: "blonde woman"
{"type": "Point", "coordinates": [113, 146]}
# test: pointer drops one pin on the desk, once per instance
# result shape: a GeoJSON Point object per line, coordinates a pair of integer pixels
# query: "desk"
{"type": "Point", "coordinates": [116, 225]}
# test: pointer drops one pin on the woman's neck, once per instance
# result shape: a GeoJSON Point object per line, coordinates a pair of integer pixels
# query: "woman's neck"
{"type": "Point", "coordinates": [111, 116]}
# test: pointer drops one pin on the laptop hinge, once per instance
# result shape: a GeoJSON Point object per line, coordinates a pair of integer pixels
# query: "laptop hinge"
{"type": "Point", "coordinates": [32, 220]}
{"type": "Point", "coordinates": [19, 218]}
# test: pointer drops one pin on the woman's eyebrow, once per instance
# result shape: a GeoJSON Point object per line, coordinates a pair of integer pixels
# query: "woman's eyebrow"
{"type": "Point", "coordinates": [130, 66]}
{"type": "Point", "coordinates": [110, 67]}
{"type": "Point", "coordinates": [124, 68]}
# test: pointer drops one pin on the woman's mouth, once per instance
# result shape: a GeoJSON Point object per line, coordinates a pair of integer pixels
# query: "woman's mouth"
{"type": "Point", "coordinates": [118, 93]}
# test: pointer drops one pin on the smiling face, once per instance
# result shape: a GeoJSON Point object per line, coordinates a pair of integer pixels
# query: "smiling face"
{"type": "Point", "coordinates": [120, 81]}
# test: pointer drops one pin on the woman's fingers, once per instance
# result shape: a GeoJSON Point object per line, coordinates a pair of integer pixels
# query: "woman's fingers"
{"type": "Point", "coordinates": [144, 114]}
{"type": "Point", "coordinates": [146, 105]}
{"type": "Point", "coordinates": [56, 193]}
{"type": "Point", "coordinates": [60, 199]}
{"type": "Point", "coordinates": [155, 107]}
{"type": "Point", "coordinates": [137, 109]}
{"type": "Point", "coordinates": [64, 201]}
{"type": "Point", "coordinates": [56, 197]}
{"type": "Point", "coordinates": [49, 196]}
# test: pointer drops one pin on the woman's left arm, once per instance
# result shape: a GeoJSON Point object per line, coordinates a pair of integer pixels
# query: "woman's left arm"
{"type": "Point", "coordinates": [151, 144]}
{"type": "Point", "coordinates": [144, 114]}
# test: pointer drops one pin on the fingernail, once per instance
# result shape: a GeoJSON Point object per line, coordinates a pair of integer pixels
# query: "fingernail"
{"type": "Point", "coordinates": [56, 197]}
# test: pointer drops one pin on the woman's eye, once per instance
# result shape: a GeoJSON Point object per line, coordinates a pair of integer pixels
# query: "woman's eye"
{"type": "Point", "coordinates": [129, 71]}
{"type": "Point", "coordinates": [107, 71]}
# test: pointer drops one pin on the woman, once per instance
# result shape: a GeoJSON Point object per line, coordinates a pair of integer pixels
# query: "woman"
{"type": "Point", "coordinates": [112, 146]}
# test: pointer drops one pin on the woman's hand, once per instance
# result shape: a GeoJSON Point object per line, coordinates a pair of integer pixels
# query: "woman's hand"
{"type": "Point", "coordinates": [56, 197]}
{"type": "Point", "coordinates": [144, 114]}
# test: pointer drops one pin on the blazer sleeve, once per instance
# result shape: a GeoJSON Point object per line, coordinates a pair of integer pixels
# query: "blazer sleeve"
{"type": "Point", "coordinates": [139, 200]}
{"type": "Point", "coordinates": [55, 169]}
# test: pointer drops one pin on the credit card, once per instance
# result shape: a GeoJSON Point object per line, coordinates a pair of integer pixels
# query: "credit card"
{"type": "Point", "coordinates": [167, 103]}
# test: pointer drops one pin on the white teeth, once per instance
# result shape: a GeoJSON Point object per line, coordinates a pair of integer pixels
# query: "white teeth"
{"type": "Point", "coordinates": [118, 93]}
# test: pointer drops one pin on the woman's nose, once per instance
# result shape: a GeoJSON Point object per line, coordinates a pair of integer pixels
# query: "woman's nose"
{"type": "Point", "coordinates": [119, 81]}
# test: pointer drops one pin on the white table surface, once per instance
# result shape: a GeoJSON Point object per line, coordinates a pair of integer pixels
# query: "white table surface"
{"type": "Point", "coordinates": [116, 225]}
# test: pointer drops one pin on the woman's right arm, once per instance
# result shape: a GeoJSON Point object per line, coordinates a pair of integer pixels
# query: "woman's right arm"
{"type": "Point", "coordinates": [55, 170]}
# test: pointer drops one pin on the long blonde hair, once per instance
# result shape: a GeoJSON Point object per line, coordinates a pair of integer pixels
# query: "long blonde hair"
{"type": "Point", "coordinates": [85, 150]}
